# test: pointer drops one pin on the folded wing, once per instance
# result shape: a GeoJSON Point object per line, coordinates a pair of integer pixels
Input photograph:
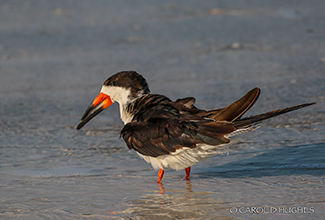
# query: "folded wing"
{"type": "Point", "coordinates": [160, 136]}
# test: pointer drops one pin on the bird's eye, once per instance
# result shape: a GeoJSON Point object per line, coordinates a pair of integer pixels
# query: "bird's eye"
{"type": "Point", "coordinates": [112, 83]}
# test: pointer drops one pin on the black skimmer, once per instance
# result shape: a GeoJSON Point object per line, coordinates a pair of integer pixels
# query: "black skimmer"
{"type": "Point", "coordinates": [173, 134]}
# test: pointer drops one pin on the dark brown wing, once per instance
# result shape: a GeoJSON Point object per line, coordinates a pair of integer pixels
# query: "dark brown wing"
{"type": "Point", "coordinates": [166, 131]}
{"type": "Point", "coordinates": [187, 102]}
{"type": "Point", "coordinates": [235, 110]}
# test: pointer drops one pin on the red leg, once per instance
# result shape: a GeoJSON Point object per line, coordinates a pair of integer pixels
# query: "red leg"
{"type": "Point", "coordinates": [187, 171]}
{"type": "Point", "coordinates": [160, 175]}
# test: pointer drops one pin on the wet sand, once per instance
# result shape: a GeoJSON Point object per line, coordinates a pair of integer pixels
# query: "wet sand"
{"type": "Point", "coordinates": [54, 56]}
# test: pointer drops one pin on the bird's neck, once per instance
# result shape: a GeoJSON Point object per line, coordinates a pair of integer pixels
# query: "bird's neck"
{"type": "Point", "coordinates": [141, 105]}
{"type": "Point", "coordinates": [129, 109]}
{"type": "Point", "coordinates": [126, 116]}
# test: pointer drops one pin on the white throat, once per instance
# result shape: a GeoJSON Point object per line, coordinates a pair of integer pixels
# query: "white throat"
{"type": "Point", "coordinates": [123, 97]}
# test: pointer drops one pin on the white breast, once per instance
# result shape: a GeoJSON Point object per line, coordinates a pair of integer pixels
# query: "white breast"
{"type": "Point", "coordinates": [185, 157]}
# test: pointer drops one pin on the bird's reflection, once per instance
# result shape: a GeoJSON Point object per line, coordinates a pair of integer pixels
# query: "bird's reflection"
{"type": "Point", "coordinates": [161, 188]}
{"type": "Point", "coordinates": [188, 187]}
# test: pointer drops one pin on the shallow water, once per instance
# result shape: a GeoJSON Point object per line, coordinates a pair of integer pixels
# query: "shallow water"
{"type": "Point", "coordinates": [55, 55]}
{"type": "Point", "coordinates": [96, 184]}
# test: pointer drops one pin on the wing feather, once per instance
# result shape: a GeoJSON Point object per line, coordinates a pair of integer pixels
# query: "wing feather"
{"type": "Point", "coordinates": [235, 110]}
{"type": "Point", "coordinates": [165, 135]}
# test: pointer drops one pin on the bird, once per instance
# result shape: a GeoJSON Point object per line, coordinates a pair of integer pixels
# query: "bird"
{"type": "Point", "coordinates": [174, 134]}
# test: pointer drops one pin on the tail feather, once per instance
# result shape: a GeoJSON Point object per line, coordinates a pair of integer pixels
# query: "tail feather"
{"type": "Point", "coordinates": [253, 120]}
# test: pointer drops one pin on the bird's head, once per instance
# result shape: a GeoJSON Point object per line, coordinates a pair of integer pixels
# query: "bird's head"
{"type": "Point", "coordinates": [123, 87]}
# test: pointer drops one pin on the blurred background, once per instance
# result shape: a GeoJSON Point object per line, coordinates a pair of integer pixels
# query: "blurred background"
{"type": "Point", "coordinates": [55, 55]}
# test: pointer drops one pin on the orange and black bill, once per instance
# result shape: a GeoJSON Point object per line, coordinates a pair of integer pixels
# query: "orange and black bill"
{"type": "Point", "coordinates": [101, 102]}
